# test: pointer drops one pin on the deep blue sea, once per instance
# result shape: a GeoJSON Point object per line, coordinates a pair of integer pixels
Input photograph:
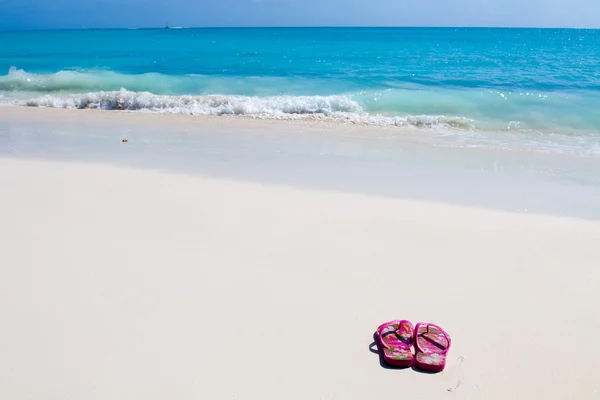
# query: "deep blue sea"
{"type": "Point", "coordinates": [544, 82]}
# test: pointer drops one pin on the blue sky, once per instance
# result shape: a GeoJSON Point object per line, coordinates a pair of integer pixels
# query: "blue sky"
{"type": "Point", "coordinates": [50, 14]}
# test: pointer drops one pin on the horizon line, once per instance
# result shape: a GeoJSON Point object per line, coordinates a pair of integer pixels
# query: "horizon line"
{"type": "Point", "coordinates": [167, 27]}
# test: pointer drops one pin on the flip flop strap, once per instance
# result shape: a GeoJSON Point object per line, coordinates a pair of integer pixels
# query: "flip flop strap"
{"type": "Point", "coordinates": [384, 326]}
{"type": "Point", "coordinates": [380, 334]}
{"type": "Point", "coordinates": [434, 326]}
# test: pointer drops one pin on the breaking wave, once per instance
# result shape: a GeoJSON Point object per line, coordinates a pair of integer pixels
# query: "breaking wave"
{"type": "Point", "coordinates": [291, 97]}
{"type": "Point", "coordinates": [73, 81]}
{"type": "Point", "coordinates": [278, 107]}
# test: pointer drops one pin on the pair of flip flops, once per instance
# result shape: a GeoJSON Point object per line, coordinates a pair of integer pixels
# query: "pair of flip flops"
{"type": "Point", "coordinates": [431, 345]}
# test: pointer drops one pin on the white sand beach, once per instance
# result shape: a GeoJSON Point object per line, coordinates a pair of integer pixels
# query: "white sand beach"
{"type": "Point", "coordinates": [122, 282]}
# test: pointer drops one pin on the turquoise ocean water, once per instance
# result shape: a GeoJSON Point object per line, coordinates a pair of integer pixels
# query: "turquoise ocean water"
{"type": "Point", "coordinates": [541, 83]}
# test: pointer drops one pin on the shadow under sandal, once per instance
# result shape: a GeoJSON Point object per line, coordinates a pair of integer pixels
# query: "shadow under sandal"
{"type": "Point", "coordinates": [431, 345]}
{"type": "Point", "coordinates": [395, 339]}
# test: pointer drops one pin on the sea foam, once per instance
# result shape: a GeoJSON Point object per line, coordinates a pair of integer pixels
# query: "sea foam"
{"type": "Point", "coordinates": [336, 107]}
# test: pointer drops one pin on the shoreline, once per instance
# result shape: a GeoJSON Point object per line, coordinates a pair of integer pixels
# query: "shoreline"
{"type": "Point", "coordinates": [392, 162]}
{"type": "Point", "coordinates": [317, 123]}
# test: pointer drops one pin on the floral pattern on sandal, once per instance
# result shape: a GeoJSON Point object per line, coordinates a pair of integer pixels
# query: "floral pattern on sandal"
{"type": "Point", "coordinates": [431, 345]}
{"type": "Point", "coordinates": [395, 339]}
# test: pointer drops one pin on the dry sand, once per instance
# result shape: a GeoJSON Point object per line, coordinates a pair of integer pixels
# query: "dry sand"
{"type": "Point", "coordinates": [132, 284]}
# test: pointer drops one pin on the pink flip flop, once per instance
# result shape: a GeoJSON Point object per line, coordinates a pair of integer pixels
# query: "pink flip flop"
{"type": "Point", "coordinates": [395, 338]}
{"type": "Point", "coordinates": [431, 346]}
